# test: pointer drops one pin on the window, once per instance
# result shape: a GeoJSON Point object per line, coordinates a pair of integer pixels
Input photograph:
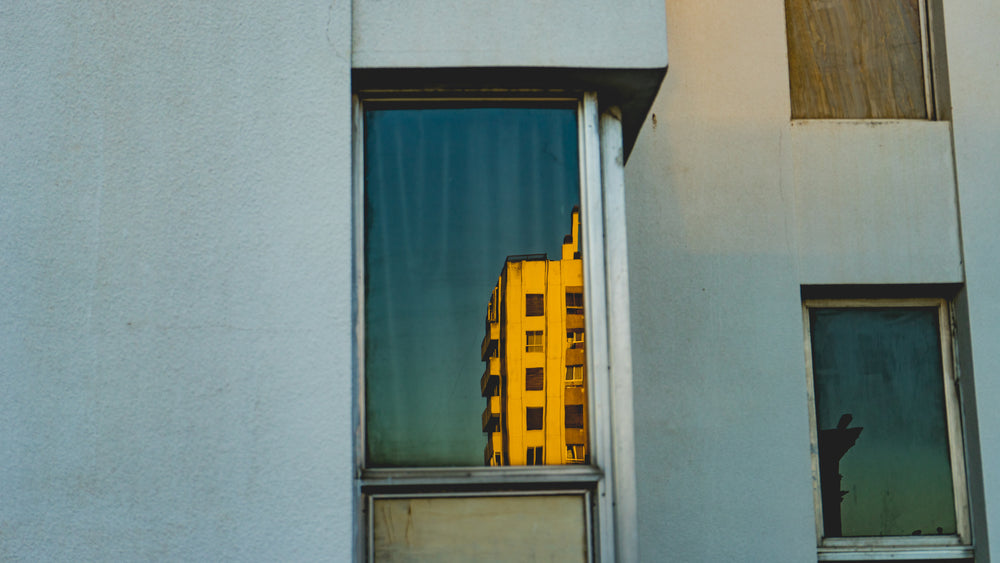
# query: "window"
{"type": "Point", "coordinates": [533, 341]}
{"type": "Point", "coordinates": [574, 303]}
{"type": "Point", "coordinates": [859, 59]}
{"type": "Point", "coordinates": [534, 379]}
{"type": "Point", "coordinates": [451, 192]}
{"type": "Point", "coordinates": [574, 375]}
{"type": "Point", "coordinates": [533, 419]}
{"type": "Point", "coordinates": [575, 453]}
{"type": "Point", "coordinates": [574, 416]}
{"type": "Point", "coordinates": [534, 305]}
{"type": "Point", "coordinates": [574, 338]}
{"type": "Point", "coordinates": [886, 428]}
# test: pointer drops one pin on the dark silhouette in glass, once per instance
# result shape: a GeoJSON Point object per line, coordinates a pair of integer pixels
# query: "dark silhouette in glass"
{"type": "Point", "coordinates": [833, 444]}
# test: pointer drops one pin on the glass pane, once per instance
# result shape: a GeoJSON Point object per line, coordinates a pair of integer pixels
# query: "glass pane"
{"type": "Point", "coordinates": [499, 528]}
{"type": "Point", "coordinates": [880, 409]}
{"type": "Point", "coordinates": [471, 241]}
{"type": "Point", "coordinates": [855, 59]}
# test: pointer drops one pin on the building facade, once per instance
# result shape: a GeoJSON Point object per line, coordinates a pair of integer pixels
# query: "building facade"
{"type": "Point", "coordinates": [182, 219]}
{"type": "Point", "coordinates": [535, 351]}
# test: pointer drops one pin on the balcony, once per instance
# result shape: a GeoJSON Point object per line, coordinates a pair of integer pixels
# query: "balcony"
{"type": "Point", "coordinates": [490, 380]}
{"type": "Point", "coordinates": [574, 320]}
{"type": "Point", "coordinates": [576, 436]}
{"type": "Point", "coordinates": [491, 415]}
{"type": "Point", "coordinates": [576, 356]}
{"type": "Point", "coordinates": [490, 340]}
{"type": "Point", "coordinates": [574, 396]}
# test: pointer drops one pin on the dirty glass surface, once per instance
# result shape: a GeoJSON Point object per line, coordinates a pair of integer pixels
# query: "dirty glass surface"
{"type": "Point", "coordinates": [497, 528]}
{"type": "Point", "coordinates": [880, 410]}
{"type": "Point", "coordinates": [457, 197]}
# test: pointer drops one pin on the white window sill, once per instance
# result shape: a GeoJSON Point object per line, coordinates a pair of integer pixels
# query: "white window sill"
{"type": "Point", "coordinates": [885, 553]}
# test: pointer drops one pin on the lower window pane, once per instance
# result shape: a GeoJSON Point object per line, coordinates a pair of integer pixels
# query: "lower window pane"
{"type": "Point", "coordinates": [492, 528]}
{"type": "Point", "coordinates": [882, 425]}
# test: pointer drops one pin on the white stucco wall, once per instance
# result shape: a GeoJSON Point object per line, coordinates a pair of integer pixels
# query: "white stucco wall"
{"type": "Point", "coordinates": [175, 222]}
{"type": "Point", "coordinates": [175, 338]}
{"type": "Point", "coordinates": [732, 207]}
{"type": "Point", "coordinates": [973, 62]}
{"type": "Point", "coordinates": [554, 33]}
{"type": "Point", "coordinates": [722, 436]}
{"type": "Point", "coordinates": [875, 202]}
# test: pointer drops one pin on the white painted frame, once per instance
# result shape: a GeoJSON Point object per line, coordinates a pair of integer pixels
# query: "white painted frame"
{"type": "Point", "coordinates": [610, 478]}
{"type": "Point", "coordinates": [957, 546]}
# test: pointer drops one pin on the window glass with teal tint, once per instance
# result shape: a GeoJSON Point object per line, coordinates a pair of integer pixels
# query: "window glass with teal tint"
{"type": "Point", "coordinates": [882, 422]}
{"type": "Point", "coordinates": [471, 244]}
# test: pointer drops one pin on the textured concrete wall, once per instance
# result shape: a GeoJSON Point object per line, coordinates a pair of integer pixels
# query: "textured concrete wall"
{"type": "Point", "coordinates": [175, 281]}
{"type": "Point", "coordinates": [175, 223]}
{"type": "Point", "coordinates": [731, 208]}
{"type": "Point", "coordinates": [875, 202]}
{"type": "Point", "coordinates": [973, 47]}
{"type": "Point", "coordinates": [722, 435]}
{"type": "Point", "coordinates": [560, 33]}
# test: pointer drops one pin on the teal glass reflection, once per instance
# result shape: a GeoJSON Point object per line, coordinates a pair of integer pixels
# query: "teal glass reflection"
{"type": "Point", "coordinates": [450, 192]}
{"type": "Point", "coordinates": [880, 409]}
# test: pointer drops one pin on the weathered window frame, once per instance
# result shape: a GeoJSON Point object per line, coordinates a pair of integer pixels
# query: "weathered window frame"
{"type": "Point", "coordinates": [956, 546]}
{"type": "Point", "coordinates": [608, 482]}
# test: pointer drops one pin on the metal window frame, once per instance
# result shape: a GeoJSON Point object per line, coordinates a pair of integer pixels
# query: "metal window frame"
{"type": "Point", "coordinates": [955, 546]}
{"type": "Point", "coordinates": [609, 480]}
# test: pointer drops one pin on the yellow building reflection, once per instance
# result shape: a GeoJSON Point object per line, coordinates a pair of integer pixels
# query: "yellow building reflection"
{"type": "Point", "coordinates": [534, 349]}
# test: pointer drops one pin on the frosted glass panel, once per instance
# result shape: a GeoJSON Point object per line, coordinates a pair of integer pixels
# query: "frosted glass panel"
{"type": "Point", "coordinates": [471, 253]}
{"type": "Point", "coordinates": [461, 529]}
{"type": "Point", "coordinates": [880, 409]}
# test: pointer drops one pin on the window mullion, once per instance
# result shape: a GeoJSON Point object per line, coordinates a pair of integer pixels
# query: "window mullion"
{"type": "Point", "coordinates": [592, 205]}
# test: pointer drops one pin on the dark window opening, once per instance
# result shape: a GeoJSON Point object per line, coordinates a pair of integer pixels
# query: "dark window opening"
{"type": "Point", "coordinates": [533, 418]}
{"type": "Point", "coordinates": [574, 416]}
{"type": "Point", "coordinates": [534, 379]}
{"type": "Point", "coordinates": [534, 305]}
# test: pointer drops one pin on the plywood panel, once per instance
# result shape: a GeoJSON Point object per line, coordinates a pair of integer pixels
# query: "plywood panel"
{"type": "Point", "coordinates": [855, 59]}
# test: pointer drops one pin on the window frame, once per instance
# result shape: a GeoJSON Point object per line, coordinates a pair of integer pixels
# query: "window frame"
{"type": "Point", "coordinates": [537, 347]}
{"type": "Point", "coordinates": [574, 308]}
{"type": "Point", "coordinates": [871, 548]}
{"type": "Point", "coordinates": [608, 481]}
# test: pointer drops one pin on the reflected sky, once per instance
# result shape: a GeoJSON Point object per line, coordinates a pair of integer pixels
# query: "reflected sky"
{"type": "Point", "coordinates": [449, 194]}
